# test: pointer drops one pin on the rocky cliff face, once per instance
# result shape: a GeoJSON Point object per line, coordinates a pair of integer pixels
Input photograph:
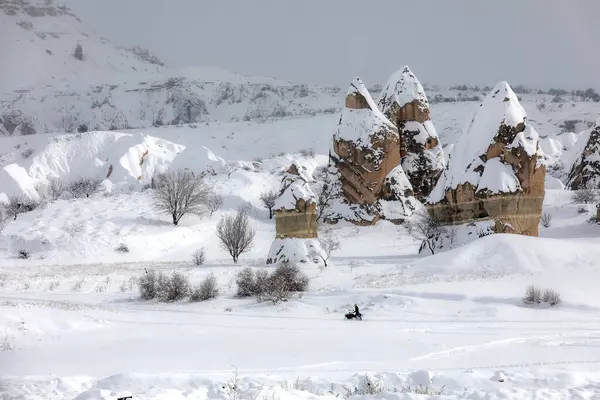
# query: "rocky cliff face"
{"type": "Point", "coordinates": [367, 179]}
{"type": "Point", "coordinates": [585, 172]}
{"type": "Point", "coordinates": [295, 220]}
{"type": "Point", "coordinates": [495, 171]}
{"type": "Point", "coordinates": [403, 101]}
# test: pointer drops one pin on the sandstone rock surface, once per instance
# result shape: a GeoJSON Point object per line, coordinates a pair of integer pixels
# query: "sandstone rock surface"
{"type": "Point", "coordinates": [403, 102]}
{"type": "Point", "coordinates": [367, 180]}
{"type": "Point", "coordinates": [295, 220]}
{"type": "Point", "coordinates": [495, 171]}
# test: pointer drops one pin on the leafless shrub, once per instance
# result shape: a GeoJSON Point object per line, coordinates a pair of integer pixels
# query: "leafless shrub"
{"type": "Point", "coordinates": [83, 187]}
{"type": "Point", "coordinates": [55, 189]}
{"type": "Point", "coordinates": [291, 275]}
{"type": "Point", "coordinates": [546, 220]}
{"type": "Point", "coordinates": [214, 203]}
{"type": "Point", "coordinates": [235, 233]}
{"type": "Point", "coordinates": [18, 205]}
{"type": "Point", "coordinates": [122, 248]}
{"type": "Point", "coordinates": [100, 288]}
{"type": "Point", "coordinates": [533, 295]}
{"type": "Point", "coordinates": [77, 285]}
{"type": "Point", "coordinates": [268, 200]}
{"type": "Point", "coordinates": [177, 287]}
{"type": "Point", "coordinates": [24, 254]}
{"type": "Point", "coordinates": [246, 283]}
{"type": "Point", "coordinates": [179, 193]}
{"type": "Point", "coordinates": [78, 53]}
{"type": "Point", "coordinates": [367, 387]}
{"type": "Point", "coordinates": [54, 285]}
{"type": "Point", "coordinates": [427, 229]}
{"type": "Point", "coordinates": [123, 287]}
{"type": "Point", "coordinates": [232, 388]}
{"type": "Point", "coordinates": [26, 153]}
{"type": "Point", "coordinates": [73, 228]}
{"type": "Point", "coordinates": [198, 257]}
{"type": "Point", "coordinates": [325, 195]}
{"type": "Point", "coordinates": [551, 297]}
{"type": "Point", "coordinates": [329, 244]}
{"type": "Point", "coordinates": [147, 284]}
{"type": "Point", "coordinates": [584, 196]}
{"type": "Point", "coordinates": [6, 343]}
{"type": "Point", "coordinates": [206, 290]}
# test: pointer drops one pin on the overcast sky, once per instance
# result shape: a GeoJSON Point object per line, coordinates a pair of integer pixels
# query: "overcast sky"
{"type": "Point", "coordinates": [537, 42]}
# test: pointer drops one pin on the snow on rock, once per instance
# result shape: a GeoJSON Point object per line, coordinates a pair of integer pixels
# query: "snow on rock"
{"type": "Point", "coordinates": [496, 170]}
{"type": "Point", "coordinates": [200, 160]}
{"type": "Point", "coordinates": [402, 88]}
{"type": "Point", "coordinates": [585, 170]}
{"type": "Point", "coordinates": [553, 183]}
{"type": "Point", "coordinates": [403, 101]}
{"type": "Point", "coordinates": [361, 119]}
{"type": "Point", "coordinates": [15, 182]}
{"type": "Point", "coordinates": [500, 111]}
{"type": "Point", "coordinates": [295, 219]}
{"type": "Point", "coordinates": [295, 251]}
{"type": "Point", "coordinates": [365, 178]}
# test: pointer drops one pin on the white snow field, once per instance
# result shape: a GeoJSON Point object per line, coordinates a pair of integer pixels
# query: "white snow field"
{"type": "Point", "coordinates": [72, 325]}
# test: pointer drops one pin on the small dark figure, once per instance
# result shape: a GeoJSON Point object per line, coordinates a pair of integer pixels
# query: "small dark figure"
{"type": "Point", "coordinates": [357, 313]}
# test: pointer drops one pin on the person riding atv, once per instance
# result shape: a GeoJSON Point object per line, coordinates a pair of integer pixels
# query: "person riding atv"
{"type": "Point", "coordinates": [356, 314]}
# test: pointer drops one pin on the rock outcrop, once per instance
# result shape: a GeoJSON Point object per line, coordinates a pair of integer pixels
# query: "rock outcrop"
{"type": "Point", "coordinates": [367, 181]}
{"type": "Point", "coordinates": [495, 171]}
{"type": "Point", "coordinates": [585, 172]}
{"type": "Point", "coordinates": [403, 102]}
{"type": "Point", "coordinates": [295, 220]}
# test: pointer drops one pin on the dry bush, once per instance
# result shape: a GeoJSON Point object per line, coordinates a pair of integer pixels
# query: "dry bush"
{"type": "Point", "coordinates": [206, 290]}
{"type": "Point", "coordinates": [246, 283]}
{"type": "Point", "coordinates": [123, 248]}
{"type": "Point", "coordinates": [54, 285]}
{"type": "Point", "coordinates": [24, 254]}
{"type": "Point", "coordinates": [533, 295]}
{"type": "Point", "coordinates": [198, 257]}
{"type": "Point", "coordinates": [77, 285]}
{"type": "Point", "coordinates": [73, 228]}
{"type": "Point", "coordinates": [147, 284]}
{"type": "Point", "coordinates": [83, 187]}
{"type": "Point", "coordinates": [177, 287]}
{"type": "Point", "coordinates": [18, 205]}
{"type": "Point", "coordinates": [551, 297]}
{"type": "Point", "coordinates": [584, 196]}
{"type": "Point", "coordinates": [546, 219]}
{"type": "Point", "coordinates": [55, 189]}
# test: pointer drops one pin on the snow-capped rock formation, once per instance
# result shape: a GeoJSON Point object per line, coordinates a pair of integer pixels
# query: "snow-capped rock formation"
{"type": "Point", "coordinates": [585, 171]}
{"type": "Point", "coordinates": [126, 161]}
{"type": "Point", "coordinates": [367, 180]}
{"type": "Point", "coordinates": [403, 101]}
{"type": "Point", "coordinates": [496, 170]}
{"type": "Point", "coordinates": [295, 221]}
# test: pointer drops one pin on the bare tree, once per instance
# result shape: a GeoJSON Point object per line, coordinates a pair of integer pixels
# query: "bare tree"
{"type": "Point", "coordinates": [230, 168]}
{"type": "Point", "coordinates": [55, 189]}
{"type": "Point", "coordinates": [199, 257]}
{"type": "Point", "coordinates": [179, 193]}
{"type": "Point", "coordinates": [18, 205]}
{"type": "Point", "coordinates": [329, 244]}
{"type": "Point", "coordinates": [235, 233]}
{"type": "Point", "coordinates": [73, 228]}
{"type": "Point", "coordinates": [425, 228]}
{"type": "Point", "coordinates": [324, 199]}
{"type": "Point", "coordinates": [268, 200]}
{"type": "Point", "coordinates": [83, 187]}
{"type": "Point", "coordinates": [546, 219]}
{"type": "Point", "coordinates": [214, 203]}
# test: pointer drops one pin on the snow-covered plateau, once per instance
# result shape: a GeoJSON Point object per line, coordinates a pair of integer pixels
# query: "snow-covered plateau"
{"type": "Point", "coordinates": [452, 325]}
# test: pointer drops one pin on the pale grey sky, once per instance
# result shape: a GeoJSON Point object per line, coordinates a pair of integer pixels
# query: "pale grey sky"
{"type": "Point", "coordinates": [537, 42]}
